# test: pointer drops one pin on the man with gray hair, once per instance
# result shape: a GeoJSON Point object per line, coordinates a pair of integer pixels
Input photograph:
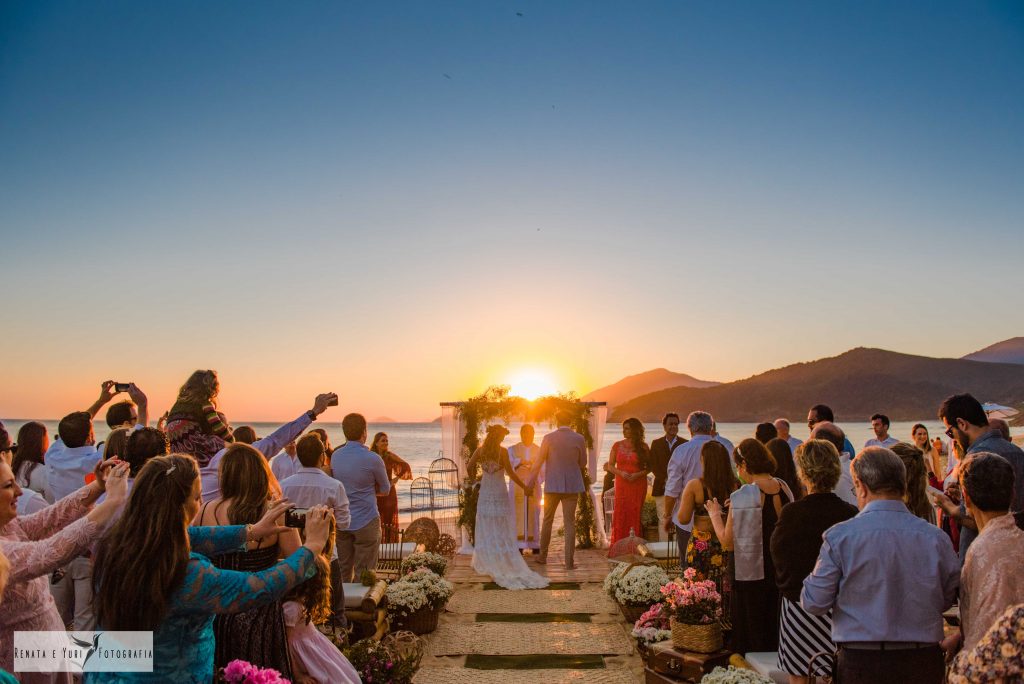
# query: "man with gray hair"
{"type": "Point", "coordinates": [684, 465]}
{"type": "Point", "coordinates": [782, 426]}
{"type": "Point", "coordinates": [830, 432]}
{"type": "Point", "coordinates": [887, 576]}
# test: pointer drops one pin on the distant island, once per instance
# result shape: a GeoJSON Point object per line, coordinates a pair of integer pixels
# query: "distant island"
{"type": "Point", "coordinates": [1007, 351]}
{"type": "Point", "coordinates": [383, 419]}
{"type": "Point", "coordinates": [644, 383]}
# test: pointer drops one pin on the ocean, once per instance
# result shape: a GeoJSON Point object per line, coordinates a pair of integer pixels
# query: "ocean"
{"type": "Point", "coordinates": [420, 443]}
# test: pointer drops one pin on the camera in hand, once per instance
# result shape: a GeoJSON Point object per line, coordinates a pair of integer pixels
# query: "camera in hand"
{"type": "Point", "coordinates": [333, 401]}
{"type": "Point", "coordinates": [122, 386]}
{"type": "Point", "coordinates": [295, 517]}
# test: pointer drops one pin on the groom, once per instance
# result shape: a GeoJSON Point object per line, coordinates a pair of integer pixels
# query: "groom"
{"type": "Point", "coordinates": [565, 453]}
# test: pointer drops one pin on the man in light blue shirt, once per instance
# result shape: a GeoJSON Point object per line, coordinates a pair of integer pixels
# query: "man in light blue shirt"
{"type": "Point", "coordinates": [684, 465]}
{"type": "Point", "coordinates": [364, 476]}
{"type": "Point", "coordinates": [887, 576]}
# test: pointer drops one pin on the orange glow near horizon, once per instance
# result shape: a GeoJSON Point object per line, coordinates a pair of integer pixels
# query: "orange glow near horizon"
{"type": "Point", "coordinates": [532, 383]}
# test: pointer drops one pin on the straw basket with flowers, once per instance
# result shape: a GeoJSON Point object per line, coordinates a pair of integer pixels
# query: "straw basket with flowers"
{"type": "Point", "coordinates": [635, 588]}
{"type": "Point", "coordinates": [695, 607]}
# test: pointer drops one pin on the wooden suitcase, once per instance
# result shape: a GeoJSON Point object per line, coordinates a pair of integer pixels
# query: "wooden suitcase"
{"type": "Point", "coordinates": [681, 666]}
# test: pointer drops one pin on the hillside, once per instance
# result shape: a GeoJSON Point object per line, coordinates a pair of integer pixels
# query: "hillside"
{"type": "Point", "coordinates": [1007, 351]}
{"type": "Point", "coordinates": [855, 384]}
{"type": "Point", "coordinates": [644, 383]}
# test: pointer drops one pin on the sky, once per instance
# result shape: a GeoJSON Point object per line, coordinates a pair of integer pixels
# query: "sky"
{"type": "Point", "coordinates": [406, 202]}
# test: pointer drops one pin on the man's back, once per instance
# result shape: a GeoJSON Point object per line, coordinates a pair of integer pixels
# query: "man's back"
{"type": "Point", "coordinates": [887, 574]}
{"type": "Point", "coordinates": [564, 453]}
{"type": "Point", "coordinates": [313, 487]}
{"type": "Point", "coordinates": [362, 473]}
{"type": "Point", "coordinates": [67, 468]}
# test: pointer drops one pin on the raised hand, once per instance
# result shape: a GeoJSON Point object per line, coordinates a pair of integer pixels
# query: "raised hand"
{"type": "Point", "coordinates": [323, 401]}
{"type": "Point", "coordinates": [269, 523]}
{"type": "Point", "coordinates": [107, 391]}
{"type": "Point", "coordinates": [117, 482]}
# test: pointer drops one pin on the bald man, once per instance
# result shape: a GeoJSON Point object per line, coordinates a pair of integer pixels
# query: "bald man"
{"type": "Point", "coordinates": [782, 427]}
{"type": "Point", "coordinates": [830, 432]}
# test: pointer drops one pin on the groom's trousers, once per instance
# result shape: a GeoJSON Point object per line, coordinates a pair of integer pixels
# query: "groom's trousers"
{"type": "Point", "coordinates": [551, 501]}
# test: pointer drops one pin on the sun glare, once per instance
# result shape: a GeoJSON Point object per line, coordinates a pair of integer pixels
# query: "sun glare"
{"type": "Point", "coordinates": [530, 384]}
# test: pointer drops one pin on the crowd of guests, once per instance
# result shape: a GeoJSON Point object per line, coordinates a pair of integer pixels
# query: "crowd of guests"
{"type": "Point", "coordinates": [179, 529]}
{"type": "Point", "coordinates": [820, 549]}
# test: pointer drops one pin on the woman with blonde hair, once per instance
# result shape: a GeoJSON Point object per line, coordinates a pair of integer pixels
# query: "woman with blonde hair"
{"type": "Point", "coordinates": [795, 545]}
{"type": "Point", "coordinates": [247, 491]}
{"type": "Point", "coordinates": [194, 426]}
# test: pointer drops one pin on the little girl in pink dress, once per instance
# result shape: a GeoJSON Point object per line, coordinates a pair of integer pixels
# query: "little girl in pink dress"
{"type": "Point", "coordinates": [314, 658]}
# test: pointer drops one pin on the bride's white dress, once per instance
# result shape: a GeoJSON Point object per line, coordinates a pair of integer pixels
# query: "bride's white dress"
{"type": "Point", "coordinates": [496, 551]}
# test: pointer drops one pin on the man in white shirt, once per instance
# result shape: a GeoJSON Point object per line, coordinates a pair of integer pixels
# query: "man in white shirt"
{"type": "Point", "coordinates": [880, 424]}
{"type": "Point", "coordinates": [311, 486]}
{"type": "Point", "coordinates": [268, 446]}
{"type": "Point", "coordinates": [830, 432]}
{"type": "Point", "coordinates": [782, 426]}
{"type": "Point", "coordinates": [683, 466]}
{"type": "Point", "coordinates": [285, 464]}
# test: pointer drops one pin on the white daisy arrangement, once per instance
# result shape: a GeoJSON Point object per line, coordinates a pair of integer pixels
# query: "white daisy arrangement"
{"type": "Point", "coordinates": [421, 587]}
{"type": "Point", "coordinates": [733, 675]}
{"type": "Point", "coordinates": [435, 562]}
{"type": "Point", "coordinates": [640, 586]}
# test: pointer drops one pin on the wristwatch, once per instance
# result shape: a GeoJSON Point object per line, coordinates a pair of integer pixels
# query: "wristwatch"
{"type": "Point", "coordinates": [312, 416]}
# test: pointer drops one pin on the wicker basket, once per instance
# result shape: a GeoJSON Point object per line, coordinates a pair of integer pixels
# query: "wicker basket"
{"type": "Point", "coordinates": [632, 613]}
{"type": "Point", "coordinates": [697, 638]}
{"type": "Point", "coordinates": [422, 621]}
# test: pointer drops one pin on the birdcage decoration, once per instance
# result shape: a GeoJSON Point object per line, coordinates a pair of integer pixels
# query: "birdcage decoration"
{"type": "Point", "coordinates": [421, 497]}
{"type": "Point", "coordinates": [444, 482]}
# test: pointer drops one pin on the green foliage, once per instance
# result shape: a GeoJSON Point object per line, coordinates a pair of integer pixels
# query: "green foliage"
{"type": "Point", "coordinates": [649, 513]}
{"type": "Point", "coordinates": [368, 578]}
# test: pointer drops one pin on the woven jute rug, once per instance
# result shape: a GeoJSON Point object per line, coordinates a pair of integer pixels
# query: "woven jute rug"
{"type": "Point", "coordinates": [453, 675]}
{"type": "Point", "coordinates": [495, 638]}
{"type": "Point", "coordinates": [539, 601]}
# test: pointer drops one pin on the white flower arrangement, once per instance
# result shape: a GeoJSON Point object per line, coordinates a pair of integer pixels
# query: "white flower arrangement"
{"type": "Point", "coordinates": [418, 589]}
{"type": "Point", "coordinates": [733, 675]}
{"type": "Point", "coordinates": [638, 587]}
{"type": "Point", "coordinates": [435, 562]}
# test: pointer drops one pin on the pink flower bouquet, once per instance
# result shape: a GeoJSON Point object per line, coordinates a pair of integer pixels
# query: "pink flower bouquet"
{"type": "Point", "coordinates": [241, 672]}
{"type": "Point", "coordinates": [692, 601]}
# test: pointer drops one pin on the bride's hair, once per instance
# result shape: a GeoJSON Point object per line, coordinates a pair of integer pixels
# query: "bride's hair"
{"type": "Point", "coordinates": [492, 442]}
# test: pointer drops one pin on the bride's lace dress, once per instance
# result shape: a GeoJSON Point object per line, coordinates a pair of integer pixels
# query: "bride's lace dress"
{"type": "Point", "coordinates": [497, 551]}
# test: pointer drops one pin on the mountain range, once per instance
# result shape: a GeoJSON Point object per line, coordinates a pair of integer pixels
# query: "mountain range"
{"type": "Point", "coordinates": [644, 383]}
{"type": "Point", "coordinates": [855, 384]}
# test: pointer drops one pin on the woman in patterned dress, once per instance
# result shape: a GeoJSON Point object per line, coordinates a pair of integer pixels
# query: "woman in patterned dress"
{"type": "Point", "coordinates": [628, 461]}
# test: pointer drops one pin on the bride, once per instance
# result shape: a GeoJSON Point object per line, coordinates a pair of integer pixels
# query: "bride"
{"type": "Point", "coordinates": [497, 550]}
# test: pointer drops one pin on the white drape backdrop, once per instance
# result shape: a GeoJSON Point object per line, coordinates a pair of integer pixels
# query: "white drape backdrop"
{"type": "Point", "coordinates": [598, 418]}
{"type": "Point", "coordinates": [453, 431]}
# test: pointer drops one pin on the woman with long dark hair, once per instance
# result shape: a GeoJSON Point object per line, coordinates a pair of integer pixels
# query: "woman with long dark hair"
{"type": "Point", "coordinates": [194, 425]}
{"type": "Point", "coordinates": [785, 468]}
{"type": "Point", "coordinates": [247, 490]}
{"type": "Point", "coordinates": [387, 504]}
{"type": "Point", "coordinates": [152, 572]}
{"type": "Point", "coordinates": [33, 441]}
{"type": "Point", "coordinates": [628, 461]}
{"type": "Point", "coordinates": [916, 496]}
{"type": "Point", "coordinates": [704, 551]}
{"type": "Point", "coordinates": [496, 551]}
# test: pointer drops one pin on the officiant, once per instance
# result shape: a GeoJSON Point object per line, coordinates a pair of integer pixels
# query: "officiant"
{"type": "Point", "coordinates": [523, 457]}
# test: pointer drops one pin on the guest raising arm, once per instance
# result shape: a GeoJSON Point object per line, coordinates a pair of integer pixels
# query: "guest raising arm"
{"type": "Point", "coordinates": [148, 577]}
{"type": "Point", "coordinates": [40, 543]}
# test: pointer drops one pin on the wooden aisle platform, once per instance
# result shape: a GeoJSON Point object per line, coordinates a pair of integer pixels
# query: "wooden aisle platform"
{"type": "Point", "coordinates": [549, 637]}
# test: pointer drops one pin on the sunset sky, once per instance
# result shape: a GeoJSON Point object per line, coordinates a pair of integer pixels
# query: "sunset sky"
{"type": "Point", "coordinates": [408, 202]}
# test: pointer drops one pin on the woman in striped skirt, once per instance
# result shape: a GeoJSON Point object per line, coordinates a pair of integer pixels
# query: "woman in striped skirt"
{"type": "Point", "coordinates": [795, 545]}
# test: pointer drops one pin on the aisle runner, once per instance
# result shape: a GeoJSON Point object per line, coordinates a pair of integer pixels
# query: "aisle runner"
{"type": "Point", "coordinates": [457, 675]}
{"type": "Point", "coordinates": [539, 601]}
{"type": "Point", "coordinates": [490, 638]}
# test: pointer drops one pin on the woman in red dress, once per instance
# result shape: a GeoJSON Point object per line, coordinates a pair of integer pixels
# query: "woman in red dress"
{"type": "Point", "coordinates": [629, 463]}
{"type": "Point", "coordinates": [387, 504]}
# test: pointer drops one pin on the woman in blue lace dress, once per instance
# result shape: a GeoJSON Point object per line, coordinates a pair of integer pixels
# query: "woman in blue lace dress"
{"type": "Point", "coordinates": [149, 576]}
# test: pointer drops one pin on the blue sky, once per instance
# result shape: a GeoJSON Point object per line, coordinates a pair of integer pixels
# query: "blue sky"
{"type": "Point", "coordinates": [414, 199]}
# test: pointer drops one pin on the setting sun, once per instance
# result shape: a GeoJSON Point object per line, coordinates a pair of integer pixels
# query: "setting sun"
{"type": "Point", "coordinates": [530, 384]}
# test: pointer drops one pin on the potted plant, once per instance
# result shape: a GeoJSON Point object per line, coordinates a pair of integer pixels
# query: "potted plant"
{"type": "Point", "coordinates": [651, 627]}
{"type": "Point", "coordinates": [635, 588]}
{"type": "Point", "coordinates": [695, 607]}
{"type": "Point", "coordinates": [734, 675]}
{"type": "Point", "coordinates": [434, 562]}
{"type": "Point", "coordinates": [415, 600]}
{"type": "Point", "coordinates": [649, 519]}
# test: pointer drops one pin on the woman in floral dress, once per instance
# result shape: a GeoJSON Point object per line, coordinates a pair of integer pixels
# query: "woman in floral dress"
{"type": "Point", "coordinates": [704, 553]}
{"type": "Point", "coordinates": [628, 462]}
